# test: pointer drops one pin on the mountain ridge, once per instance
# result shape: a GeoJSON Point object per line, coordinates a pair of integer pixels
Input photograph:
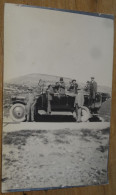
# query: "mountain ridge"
{"type": "Point", "coordinates": [34, 78]}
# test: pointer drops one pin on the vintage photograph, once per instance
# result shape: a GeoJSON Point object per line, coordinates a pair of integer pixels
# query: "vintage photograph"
{"type": "Point", "coordinates": [56, 98]}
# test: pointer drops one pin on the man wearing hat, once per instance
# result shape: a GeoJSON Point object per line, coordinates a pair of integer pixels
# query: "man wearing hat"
{"type": "Point", "coordinates": [79, 101]}
{"type": "Point", "coordinates": [56, 87]}
{"type": "Point", "coordinates": [93, 90]}
{"type": "Point", "coordinates": [73, 86]}
{"type": "Point", "coordinates": [30, 105]}
{"type": "Point", "coordinates": [61, 87]}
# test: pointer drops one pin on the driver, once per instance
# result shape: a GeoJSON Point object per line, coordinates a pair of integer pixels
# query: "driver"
{"type": "Point", "coordinates": [61, 86]}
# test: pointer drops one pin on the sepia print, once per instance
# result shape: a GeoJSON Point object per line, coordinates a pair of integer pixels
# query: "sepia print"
{"type": "Point", "coordinates": [56, 98]}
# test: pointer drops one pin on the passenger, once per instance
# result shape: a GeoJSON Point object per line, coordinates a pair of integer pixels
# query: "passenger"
{"type": "Point", "coordinates": [61, 87]}
{"type": "Point", "coordinates": [56, 88]}
{"type": "Point", "coordinates": [79, 102]}
{"type": "Point", "coordinates": [39, 89]}
{"type": "Point", "coordinates": [93, 91]}
{"type": "Point", "coordinates": [30, 107]}
{"type": "Point", "coordinates": [73, 86]}
{"type": "Point", "coordinates": [87, 89]}
{"type": "Point", "coordinates": [50, 94]}
{"type": "Point", "coordinates": [41, 85]}
{"type": "Point", "coordinates": [87, 86]}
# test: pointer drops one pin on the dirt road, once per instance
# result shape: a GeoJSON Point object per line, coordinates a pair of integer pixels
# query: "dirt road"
{"type": "Point", "coordinates": [43, 155]}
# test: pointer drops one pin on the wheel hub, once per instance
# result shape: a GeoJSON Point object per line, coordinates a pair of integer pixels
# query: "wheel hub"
{"type": "Point", "coordinates": [18, 112]}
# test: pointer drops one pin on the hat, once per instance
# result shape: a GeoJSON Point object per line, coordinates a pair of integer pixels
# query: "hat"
{"type": "Point", "coordinates": [73, 80]}
{"type": "Point", "coordinates": [49, 86]}
{"type": "Point", "coordinates": [92, 77]}
{"type": "Point", "coordinates": [30, 89]}
{"type": "Point", "coordinates": [61, 78]}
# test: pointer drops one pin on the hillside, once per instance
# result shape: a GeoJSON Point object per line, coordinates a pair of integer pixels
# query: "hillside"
{"type": "Point", "coordinates": [32, 80]}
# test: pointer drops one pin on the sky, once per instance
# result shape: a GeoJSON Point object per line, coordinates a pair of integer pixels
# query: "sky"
{"type": "Point", "coordinates": [57, 43]}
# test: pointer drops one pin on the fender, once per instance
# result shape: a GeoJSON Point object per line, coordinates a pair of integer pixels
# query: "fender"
{"type": "Point", "coordinates": [18, 101]}
{"type": "Point", "coordinates": [86, 115]}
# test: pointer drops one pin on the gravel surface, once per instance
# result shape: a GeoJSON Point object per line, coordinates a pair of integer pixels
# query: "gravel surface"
{"type": "Point", "coordinates": [42, 158]}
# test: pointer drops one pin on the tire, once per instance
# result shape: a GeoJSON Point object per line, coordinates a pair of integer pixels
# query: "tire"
{"type": "Point", "coordinates": [85, 114]}
{"type": "Point", "coordinates": [18, 112]}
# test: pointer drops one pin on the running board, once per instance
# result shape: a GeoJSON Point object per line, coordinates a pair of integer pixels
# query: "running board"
{"type": "Point", "coordinates": [55, 113]}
